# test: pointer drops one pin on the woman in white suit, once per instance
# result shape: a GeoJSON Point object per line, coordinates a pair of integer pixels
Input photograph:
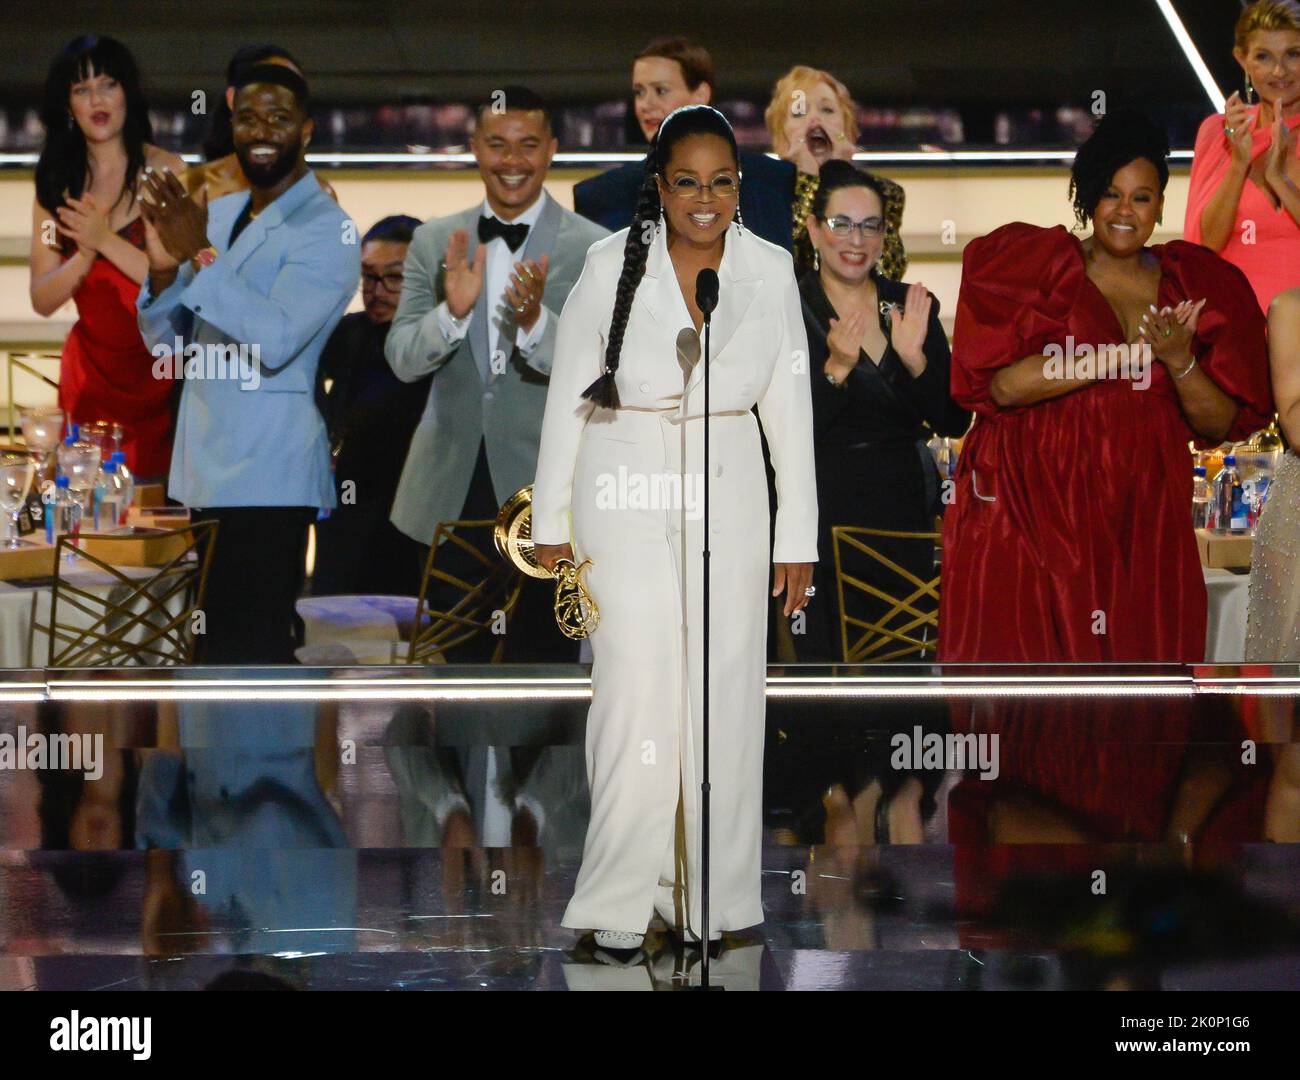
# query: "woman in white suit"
{"type": "Point", "coordinates": [622, 455]}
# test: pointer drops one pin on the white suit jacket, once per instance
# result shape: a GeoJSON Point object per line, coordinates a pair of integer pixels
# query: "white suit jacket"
{"type": "Point", "coordinates": [759, 355]}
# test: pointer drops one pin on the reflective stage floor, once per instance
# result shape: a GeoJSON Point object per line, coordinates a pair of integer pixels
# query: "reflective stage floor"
{"type": "Point", "coordinates": [409, 834]}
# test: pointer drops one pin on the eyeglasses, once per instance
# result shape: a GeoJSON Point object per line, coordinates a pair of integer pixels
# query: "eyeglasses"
{"type": "Point", "coordinates": [391, 282]}
{"type": "Point", "coordinates": [843, 226]}
{"type": "Point", "coordinates": [723, 187]}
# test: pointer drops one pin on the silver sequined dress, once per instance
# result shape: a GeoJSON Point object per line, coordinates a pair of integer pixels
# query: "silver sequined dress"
{"type": "Point", "coordinates": [1273, 616]}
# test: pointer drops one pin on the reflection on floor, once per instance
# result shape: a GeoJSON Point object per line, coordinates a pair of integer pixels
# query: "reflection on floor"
{"type": "Point", "coordinates": [1104, 842]}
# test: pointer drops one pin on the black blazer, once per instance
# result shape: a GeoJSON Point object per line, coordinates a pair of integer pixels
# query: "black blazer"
{"type": "Point", "coordinates": [766, 197]}
{"type": "Point", "coordinates": [879, 404]}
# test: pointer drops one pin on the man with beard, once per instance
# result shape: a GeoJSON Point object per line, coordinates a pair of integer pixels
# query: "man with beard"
{"type": "Point", "coordinates": [479, 309]}
{"type": "Point", "coordinates": [371, 415]}
{"type": "Point", "coordinates": [250, 289]}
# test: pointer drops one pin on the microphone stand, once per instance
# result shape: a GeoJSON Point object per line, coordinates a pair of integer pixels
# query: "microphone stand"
{"type": "Point", "coordinates": [710, 296]}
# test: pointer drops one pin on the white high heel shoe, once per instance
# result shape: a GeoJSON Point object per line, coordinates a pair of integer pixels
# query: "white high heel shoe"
{"type": "Point", "coordinates": [618, 939]}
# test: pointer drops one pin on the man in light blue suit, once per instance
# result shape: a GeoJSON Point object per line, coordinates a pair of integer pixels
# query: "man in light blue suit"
{"type": "Point", "coordinates": [240, 299]}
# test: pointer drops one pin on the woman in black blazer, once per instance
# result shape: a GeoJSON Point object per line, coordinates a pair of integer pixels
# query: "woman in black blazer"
{"type": "Point", "coordinates": [879, 363]}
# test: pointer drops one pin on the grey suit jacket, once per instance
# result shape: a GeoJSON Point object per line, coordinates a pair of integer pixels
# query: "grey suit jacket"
{"type": "Point", "coordinates": [470, 398]}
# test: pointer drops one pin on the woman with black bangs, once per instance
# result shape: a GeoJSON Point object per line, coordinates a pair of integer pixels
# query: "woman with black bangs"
{"type": "Point", "coordinates": [1070, 538]}
{"type": "Point", "coordinates": [88, 244]}
{"type": "Point", "coordinates": [626, 400]}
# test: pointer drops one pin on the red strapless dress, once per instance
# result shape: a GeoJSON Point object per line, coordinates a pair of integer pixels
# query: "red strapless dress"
{"type": "Point", "coordinates": [107, 372]}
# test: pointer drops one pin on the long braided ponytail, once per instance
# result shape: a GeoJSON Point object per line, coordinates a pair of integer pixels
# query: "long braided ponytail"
{"type": "Point", "coordinates": [604, 391]}
{"type": "Point", "coordinates": [677, 125]}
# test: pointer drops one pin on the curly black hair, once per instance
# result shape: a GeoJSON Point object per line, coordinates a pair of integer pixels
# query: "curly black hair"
{"type": "Point", "coordinates": [1119, 138]}
{"type": "Point", "coordinates": [677, 125]}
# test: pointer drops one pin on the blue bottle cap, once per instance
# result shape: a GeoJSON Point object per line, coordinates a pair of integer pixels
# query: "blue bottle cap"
{"type": "Point", "coordinates": [1230, 459]}
{"type": "Point", "coordinates": [111, 464]}
{"type": "Point", "coordinates": [119, 457]}
{"type": "Point", "coordinates": [1198, 470]}
{"type": "Point", "coordinates": [60, 481]}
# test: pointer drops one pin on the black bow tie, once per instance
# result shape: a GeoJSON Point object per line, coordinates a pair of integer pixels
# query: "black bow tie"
{"type": "Point", "coordinates": [513, 235]}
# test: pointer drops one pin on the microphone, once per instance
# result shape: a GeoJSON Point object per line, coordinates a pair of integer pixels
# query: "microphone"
{"type": "Point", "coordinates": [706, 291]}
{"type": "Point", "coordinates": [688, 351]}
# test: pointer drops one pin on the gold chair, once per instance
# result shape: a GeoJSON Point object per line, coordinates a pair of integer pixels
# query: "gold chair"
{"type": "Point", "coordinates": [127, 619]}
{"type": "Point", "coordinates": [909, 626]}
{"type": "Point", "coordinates": [433, 632]}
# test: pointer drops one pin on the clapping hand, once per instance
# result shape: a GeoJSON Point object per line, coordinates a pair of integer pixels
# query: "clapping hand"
{"type": "Point", "coordinates": [83, 221]}
{"type": "Point", "coordinates": [1280, 151]}
{"type": "Point", "coordinates": [844, 340]}
{"type": "Point", "coordinates": [179, 219]}
{"type": "Point", "coordinates": [524, 291]}
{"type": "Point", "coordinates": [1169, 332]}
{"type": "Point", "coordinates": [1238, 128]}
{"type": "Point", "coordinates": [907, 330]}
{"type": "Point", "coordinates": [462, 280]}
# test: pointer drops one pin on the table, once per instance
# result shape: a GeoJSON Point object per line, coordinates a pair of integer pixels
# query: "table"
{"type": "Point", "coordinates": [16, 609]}
{"type": "Point", "coordinates": [1227, 594]}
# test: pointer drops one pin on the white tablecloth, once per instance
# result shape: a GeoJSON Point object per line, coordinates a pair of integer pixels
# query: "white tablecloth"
{"type": "Point", "coordinates": [1225, 630]}
{"type": "Point", "coordinates": [16, 610]}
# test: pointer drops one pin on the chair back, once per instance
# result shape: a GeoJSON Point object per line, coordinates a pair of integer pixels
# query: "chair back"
{"type": "Point", "coordinates": [143, 606]}
{"type": "Point", "coordinates": [479, 604]}
{"type": "Point", "coordinates": [895, 615]}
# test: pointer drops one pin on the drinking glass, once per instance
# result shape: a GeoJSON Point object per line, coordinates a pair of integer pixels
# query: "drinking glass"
{"type": "Point", "coordinates": [42, 432]}
{"type": "Point", "coordinates": [16, 472]}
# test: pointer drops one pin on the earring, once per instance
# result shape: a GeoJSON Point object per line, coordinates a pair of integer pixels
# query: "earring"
{"type": "Point", "coordinates": [817, 259]}
{"type": "Point", "coordinates": [1250, 91]}
{"type": "Point", "coordinates": [740, 224]}
{"type": "Point", "coordinates": [660, 223]}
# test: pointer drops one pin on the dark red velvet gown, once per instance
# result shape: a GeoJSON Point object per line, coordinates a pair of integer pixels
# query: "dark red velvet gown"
{"type": "Point", "coordinates": [1092, 514]}
{"type": "Point", "coordinates": [107, 372]}
{"type": "Point", "coordinates": [1084, 501]}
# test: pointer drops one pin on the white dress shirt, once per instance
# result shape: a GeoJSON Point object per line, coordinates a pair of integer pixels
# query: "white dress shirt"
{"type": "Point", "coordinates": [496, 277]}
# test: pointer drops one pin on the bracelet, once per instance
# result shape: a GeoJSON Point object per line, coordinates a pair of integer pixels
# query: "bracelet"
{"type": "Point", "coordinates": [1186, 371]}
{"type": "Point", "coordinates": [835, 382]}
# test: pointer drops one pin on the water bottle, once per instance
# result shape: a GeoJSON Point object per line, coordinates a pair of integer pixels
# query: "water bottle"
{"type": "Point", "coordinates": [112, 496]}
{"type": "Point", "coordinates": [97, 493]}
{"type": "Point", "coordinates": [127, 486]}
{"type": "Point", "coordinates": [63, 514]}
{"type": "Point", "coordinates": [1200, 498]}
{"type": "Point", "coordinates": [1228, 505]}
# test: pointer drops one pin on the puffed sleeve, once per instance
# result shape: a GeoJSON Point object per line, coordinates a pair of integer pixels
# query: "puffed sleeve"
{"type": "Point", "coordinates": [1018, 286]}
{"type": "Point", "coordinates": [785, 409]}
{"type": "Point", "coordinates": [1231, 335]}
{"type": "Point", "coordinates": [578, 361]}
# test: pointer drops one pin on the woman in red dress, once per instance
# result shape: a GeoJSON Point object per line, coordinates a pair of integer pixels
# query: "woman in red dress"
{"type": "Point", "coordinates": [1069, 537]}
{"type": "Point", "coordinates": [88, 244]}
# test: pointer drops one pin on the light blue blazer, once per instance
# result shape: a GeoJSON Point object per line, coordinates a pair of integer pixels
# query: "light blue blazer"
{"type": "Point", "coordinates": [249, 433]}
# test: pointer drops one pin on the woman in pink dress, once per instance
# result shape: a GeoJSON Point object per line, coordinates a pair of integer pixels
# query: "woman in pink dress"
{"type": "Point", "coordinates": [88, 244]}
{"type": "Point", "coordinates": [1244, 201]}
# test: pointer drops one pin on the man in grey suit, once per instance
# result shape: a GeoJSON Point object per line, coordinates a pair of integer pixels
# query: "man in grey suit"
{"type": "Point", "coordinates": [480, 304]}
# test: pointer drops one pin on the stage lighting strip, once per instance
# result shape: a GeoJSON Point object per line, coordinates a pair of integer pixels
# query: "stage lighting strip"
{"type": "Point", "coordinates": [593, 159]}
{"type": "Point", "coordinates": [579, 688]}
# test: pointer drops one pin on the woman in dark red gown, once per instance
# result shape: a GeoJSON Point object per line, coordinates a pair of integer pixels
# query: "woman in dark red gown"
{"type": "Point", "coordinates": [88, 245]}
{"type": "Point", "coordinates": [1069, 537]}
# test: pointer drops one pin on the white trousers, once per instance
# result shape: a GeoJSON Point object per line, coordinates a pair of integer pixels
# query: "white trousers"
{"type": "Point", "coordinates": [644, 741]}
